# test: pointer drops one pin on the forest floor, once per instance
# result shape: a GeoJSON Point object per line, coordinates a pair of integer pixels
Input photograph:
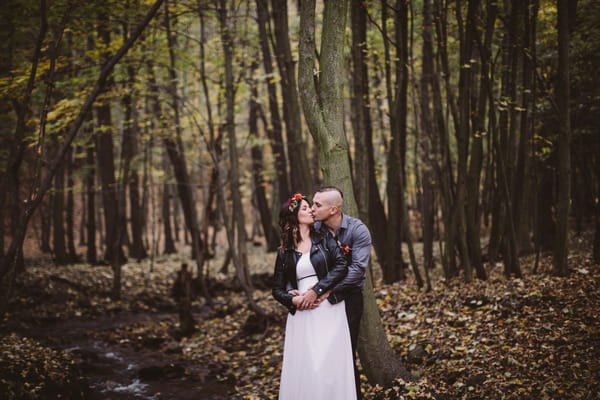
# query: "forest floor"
{"type": "Point", "coordinates": [537, 337]}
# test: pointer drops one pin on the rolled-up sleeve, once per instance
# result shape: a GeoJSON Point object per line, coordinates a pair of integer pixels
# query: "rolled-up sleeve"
{"type": "Point", "coordinates": [361, 253]}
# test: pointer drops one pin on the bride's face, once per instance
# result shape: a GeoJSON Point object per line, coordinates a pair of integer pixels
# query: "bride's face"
{"type": "Point", "coordinates": [304, 214]}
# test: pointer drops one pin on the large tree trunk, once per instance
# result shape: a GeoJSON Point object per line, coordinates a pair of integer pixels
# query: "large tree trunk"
{"type": "Point", "coordinates": [561, 246]}
{"type": "Point", "coordinates": [323, 111]}
{"type": "Point", "coordinates": [300, 177]}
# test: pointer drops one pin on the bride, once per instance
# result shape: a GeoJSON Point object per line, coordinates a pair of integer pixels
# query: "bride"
{"type": "Point", "coordinates": [317, 354]}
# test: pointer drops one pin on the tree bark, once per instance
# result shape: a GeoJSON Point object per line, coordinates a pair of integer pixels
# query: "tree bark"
{"type": "Point", "coordinates": [324, 115]}
{"type": "Point", "coordinates": [561, 246]}
{"type": "Point", "coordinates": [106, 165]}
{"type": "Point", "coordinates": [275, 130]}
{"type": "Point", "coordinates": [238, 248]}
{"type": "Point", "coordinates": [130, 174]}
{"type": "Point", "coordinates": [300, 177]}
{"type": "Point", "coordinates": [91, 254]}
{"type": "Point", "coordinates": [271, 236]}
{"type": "Point", "coordinates": [58, 228]}
{"type": "Point", "coordinates": [366, 190]}
{"type": "Point", "coordinates": [176, 154]}
{"type": "Point", "coordinates": [428, 139]}
{"type": "Point", "coordinates": [166, 219]}
{"type": "Point", "coordinates": [70, 210]}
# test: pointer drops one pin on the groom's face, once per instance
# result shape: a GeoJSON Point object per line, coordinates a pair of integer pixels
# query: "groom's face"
{"type": "Point", "coordinates": [322, 207]}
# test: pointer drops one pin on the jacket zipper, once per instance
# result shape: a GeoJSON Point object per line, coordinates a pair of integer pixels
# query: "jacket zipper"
{"type": "Point", "coordinates": [325, 258]}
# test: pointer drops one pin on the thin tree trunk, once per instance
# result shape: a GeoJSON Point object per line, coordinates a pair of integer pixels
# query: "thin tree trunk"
{"type": "Point", "coordinates": [271, 236]}
{"type": "Point", "coordinates": [300, 177]}
{"type": "Point", "coordinates": [72, 252]}
{"type": "Point", "coordinates": [166, 219]}
{"type": "Point", "coordinates": [394, 264]}
{"type": "Point", "coordinates": [106, 163]}
{"type": "Point", "coordinates": [366, 189]}
{"type": "Point", "coordinates": [91, 254]}
{"type": "Point", "coordinates": [275, 131]}
{"type": "Point", "coordinates": [239, 248]}
{"type": "Point", "coordinates": [427, 121]}
{"type": "Point", "coordinates": [444, 170]}
{"type": "Point", "coordinates": [177, 157]}
{"type": "Point", "coordinates": [58, 230]}
{"type": "Point", "coordinates": [561, 246]}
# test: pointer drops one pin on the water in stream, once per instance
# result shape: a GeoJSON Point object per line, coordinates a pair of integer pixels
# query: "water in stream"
{"type": "Point", "coordinates": [119, 370]}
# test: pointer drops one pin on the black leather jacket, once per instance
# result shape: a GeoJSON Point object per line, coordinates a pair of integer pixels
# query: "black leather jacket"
{"type": "Point", "coordinates": [327, 259]}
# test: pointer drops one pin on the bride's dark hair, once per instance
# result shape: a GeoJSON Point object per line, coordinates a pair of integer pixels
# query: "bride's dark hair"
{"type": "Point", "coordinates": [288, 221]}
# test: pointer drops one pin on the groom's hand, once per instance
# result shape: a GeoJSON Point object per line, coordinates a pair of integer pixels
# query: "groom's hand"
{"type": "Point", "coordinates": [308, 298]}
{"type": "Point", "coordinates": [321, 299]}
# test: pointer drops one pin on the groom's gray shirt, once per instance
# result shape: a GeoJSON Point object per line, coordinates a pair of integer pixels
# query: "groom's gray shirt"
{"type": "Point", "coordinates": [355, 234]}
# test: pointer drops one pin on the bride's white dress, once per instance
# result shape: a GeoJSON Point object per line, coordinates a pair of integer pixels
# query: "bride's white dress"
{"type": "Point", "coordinates": [317, 354]}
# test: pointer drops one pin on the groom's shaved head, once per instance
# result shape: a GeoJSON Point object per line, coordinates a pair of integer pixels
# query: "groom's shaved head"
{"type": "Point", "coordinates": [332, 195]}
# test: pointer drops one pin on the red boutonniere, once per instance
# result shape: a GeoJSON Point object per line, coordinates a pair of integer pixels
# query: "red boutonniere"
{"type": "Point", "coordinates": [294, 201]}
{"type": "Point", "coordinates": [345, 248]}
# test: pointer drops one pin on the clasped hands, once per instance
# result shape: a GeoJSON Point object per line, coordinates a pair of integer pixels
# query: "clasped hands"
{"type": "Point", "coordinates": [307, 300]}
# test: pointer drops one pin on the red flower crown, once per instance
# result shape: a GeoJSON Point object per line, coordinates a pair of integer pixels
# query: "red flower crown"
{"type": "Point", "coordinates": [294, 201]}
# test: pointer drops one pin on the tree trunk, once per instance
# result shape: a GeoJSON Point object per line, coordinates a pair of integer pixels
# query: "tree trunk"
{"type": "Point", "coordinates": [58, 228]}
{"type": "Point", "coordinates": [325, 121]}
{"type": "Point", "coordinates": [271, 236]}
{"type": "Point", "coordinates": [366, 189]}
{"type": "Point", "coordinates": [275, 131]}
{"type": "Point", "coordinates": [106, 164]}
{"type": "Point", "coordinates": [428, 139]}
{"type": "Point", "coordinates": [300, 177]}
{"type": "Point", "coordinates": [166, 218]}
{"type": "Point", "coordinates": [91, 253]}
{"type": "Point", "coordinates": [130, 174]}
{"type": "Point", "coordinates": [72, 252]}
{"type": "Point", "coordinates": [394, 265]}
{"type": "Point", "coordinates": [238, 249]}
{"type": "Point", "coordinates": [177, 156]}
{"type": "Point", "coordinates": [561, 246]}
{"type": "Point", "coordinates": [444, 170]}
{"type": "Point", "coordinates": [473, 208]}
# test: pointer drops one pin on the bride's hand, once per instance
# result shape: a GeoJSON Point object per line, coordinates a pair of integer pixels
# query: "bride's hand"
{"type": "Point", "coordinates": [297, 301]}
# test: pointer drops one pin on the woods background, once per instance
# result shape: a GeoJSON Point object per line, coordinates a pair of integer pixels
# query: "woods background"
{"type": "Point", "coordinates": [132, 129]}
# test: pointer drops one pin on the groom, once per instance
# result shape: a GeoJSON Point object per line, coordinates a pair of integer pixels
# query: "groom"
{"type": "Point", "coordinates": [354, 239]}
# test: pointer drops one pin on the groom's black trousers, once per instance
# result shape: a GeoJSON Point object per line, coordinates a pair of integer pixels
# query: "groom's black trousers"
{"type": "Point", "coordinates": [354, 311]}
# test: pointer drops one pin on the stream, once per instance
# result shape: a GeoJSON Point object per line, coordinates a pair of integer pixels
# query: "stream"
{"type": "Point", "coordinates": [117, 369]}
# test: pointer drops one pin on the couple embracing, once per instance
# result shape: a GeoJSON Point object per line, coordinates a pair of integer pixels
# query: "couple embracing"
{"type": "Point", "coordinates": [320, 271]}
